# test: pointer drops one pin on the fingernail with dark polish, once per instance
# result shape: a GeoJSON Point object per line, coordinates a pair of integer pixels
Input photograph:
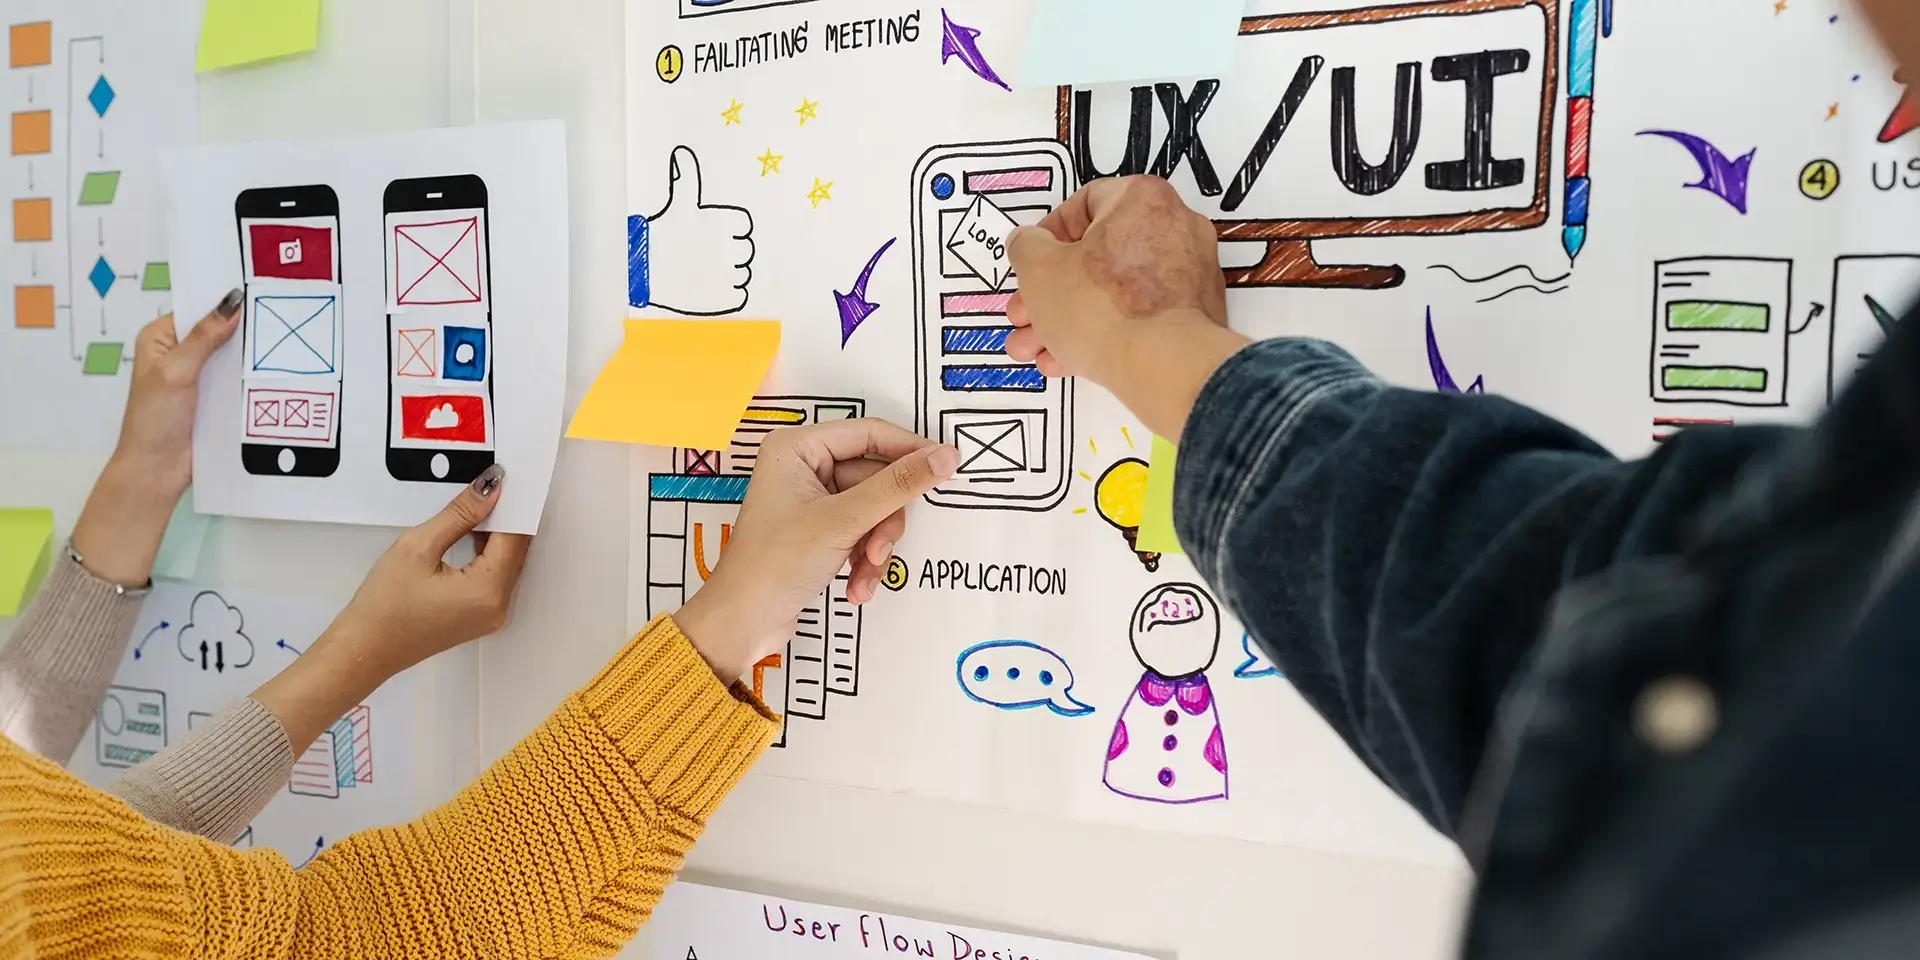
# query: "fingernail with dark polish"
{"type": "Point", "coordinates": [230, 304]}
{"type": "Point", "coordinates": [488, 479]}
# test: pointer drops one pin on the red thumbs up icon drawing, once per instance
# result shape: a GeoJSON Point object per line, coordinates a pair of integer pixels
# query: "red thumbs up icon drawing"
{"type": "Point", "coordinates": [693, 257]}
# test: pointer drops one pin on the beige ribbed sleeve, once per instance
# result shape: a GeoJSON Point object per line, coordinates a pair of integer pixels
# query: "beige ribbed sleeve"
{"type": "Point", "coordinates": [61, 658]}
{"type": "Point", "coordinates": [217, 779]}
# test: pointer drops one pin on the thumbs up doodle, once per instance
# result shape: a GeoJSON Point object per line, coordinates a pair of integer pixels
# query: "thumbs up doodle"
{"type": "Point", "coordinates": [692, 257]}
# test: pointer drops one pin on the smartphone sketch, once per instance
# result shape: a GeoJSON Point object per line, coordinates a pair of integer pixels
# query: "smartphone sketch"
{"type": "Point", "coordinates": [291, 339]}
{"type": "Point", "coordinates": [440, 416]}
{"type": "Point", "coordinates": [1012, 425]}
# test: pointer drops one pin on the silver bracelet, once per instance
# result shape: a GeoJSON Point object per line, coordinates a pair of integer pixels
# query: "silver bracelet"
{"type": "Point", "coordinates": [78, 561]}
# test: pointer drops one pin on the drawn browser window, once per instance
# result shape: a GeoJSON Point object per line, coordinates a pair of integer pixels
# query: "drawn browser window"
{"type": "Point", "coordinates": [1012, 425]}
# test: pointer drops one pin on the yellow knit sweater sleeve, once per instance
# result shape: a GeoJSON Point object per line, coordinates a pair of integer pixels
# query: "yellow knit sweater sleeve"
{"type": "Point", "coordinates": [560, 849]}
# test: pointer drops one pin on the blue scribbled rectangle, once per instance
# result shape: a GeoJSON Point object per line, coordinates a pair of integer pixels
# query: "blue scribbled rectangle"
{"type": "Point", "coordinates": [974, 339]}
{"type": "Point", "coordinates": [1021, 379]}
{"type": "Point", "coordinates": [697, 489]}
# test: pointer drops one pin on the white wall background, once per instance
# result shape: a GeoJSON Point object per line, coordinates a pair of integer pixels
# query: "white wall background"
{"type": "Point", "coordinates": [400, 64]}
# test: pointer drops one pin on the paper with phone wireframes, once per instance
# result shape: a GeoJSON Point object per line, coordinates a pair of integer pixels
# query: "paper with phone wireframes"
{"type": "Point", "coordinates": [339, 403]}
{"type": "Point", "coordinates": [678, 383]}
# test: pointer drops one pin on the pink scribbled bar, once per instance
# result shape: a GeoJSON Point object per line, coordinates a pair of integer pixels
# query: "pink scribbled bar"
{"type": "Point", "coordinates": [974, 304]}
{"type": "Point", "coordinates": [1009, 181]}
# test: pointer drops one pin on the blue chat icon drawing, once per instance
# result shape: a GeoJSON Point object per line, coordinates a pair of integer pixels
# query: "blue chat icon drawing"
{"type": "Point", "coordinates": [1018, 675]}
{"type": "Point", "coordinates": [1257, 664]}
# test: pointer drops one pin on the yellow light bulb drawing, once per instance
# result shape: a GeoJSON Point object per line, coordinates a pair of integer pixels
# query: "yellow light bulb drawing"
{"type": "Point", "coordinates": [1121, 496]}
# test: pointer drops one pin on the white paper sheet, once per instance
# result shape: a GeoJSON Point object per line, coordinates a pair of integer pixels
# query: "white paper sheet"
{"type": "Point", "coordinates": [393, 348]}
{"type": "Point", "coordinates": [695, 922]}
{"type": "Point", "coordinates": [196, 648]}
{"type": "Point", "coordinates": [839, 130]}
{"type": "Point", "coordinates": [86, 251]}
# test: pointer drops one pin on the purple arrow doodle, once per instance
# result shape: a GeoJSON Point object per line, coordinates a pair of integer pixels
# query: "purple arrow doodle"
{"type": "Point", "coordinates": [855, 308]}
{"type": "Point", "coordinates": [1442, 379]}
{"type": "Point", "coordinates": [1726, 179]}
{"type": "Point", "coordinates": [964, 42]}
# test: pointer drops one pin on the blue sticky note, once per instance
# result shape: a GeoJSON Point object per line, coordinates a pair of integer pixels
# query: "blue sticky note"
{"type": "Point", "coordinates": [186, 535]}
{"type": "Point", "coordinates": [1080, 42]}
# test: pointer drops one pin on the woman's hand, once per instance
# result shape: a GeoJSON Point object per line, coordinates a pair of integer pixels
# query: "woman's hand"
{"type": "Point", "coordinates": [821, 496]}
{"type": "Point", "coordinates": [411, 606]}
{"type": "Point", "coordinates": [118, 534]}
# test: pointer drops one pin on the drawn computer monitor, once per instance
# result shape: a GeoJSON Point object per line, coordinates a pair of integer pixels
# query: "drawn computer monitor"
{"type": "Point", "coordinates": [1414, 119]}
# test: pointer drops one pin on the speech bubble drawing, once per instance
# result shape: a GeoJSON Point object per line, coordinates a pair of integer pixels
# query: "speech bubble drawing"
{"type": "Point", "coordinates": [1018, 675]}
{"type": "Point", "coordinates": [1257, 665]}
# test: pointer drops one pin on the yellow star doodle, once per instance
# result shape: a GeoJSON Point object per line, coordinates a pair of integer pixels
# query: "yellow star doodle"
{"type": "Point", "coordinates": [769, 162]}
{"type": "Point", "coordinates": [732, 113]}
{"type": "Point", "coordinates": [806, 110]}
{"type": "Point", "coordinates": [820, 191]}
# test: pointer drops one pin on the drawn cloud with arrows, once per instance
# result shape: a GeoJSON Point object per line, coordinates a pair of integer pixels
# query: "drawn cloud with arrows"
{"type": "Point", "coordinates": [215, 634]}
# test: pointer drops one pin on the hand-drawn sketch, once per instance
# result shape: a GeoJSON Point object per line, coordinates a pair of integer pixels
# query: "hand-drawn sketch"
{"type": "Point", "coordinates": [1258, 664]}
{"type": "Point", "coordinates": [214, 636]}
{"type": "Point", "coordinates": [340, 759]}
{"type": "Point", "coordinates": [1017, 675]}
{"type": "Point", "coordinates": [1724, 178]}
{"type": "Point", "coordinates": [1120, 497]}
{"type": "Point", "coordinates": [130, 726]}
{"type": "Point", "coordinates": [1442, 378]}
{"type": "Point", "coordinates": [693, 258]}
{"type": "Point", "coordinates": [1720, 329]}
{"type": "Point", "coordinates": [1507, 78]}
{"type": "Point", "coordinates": [705, 8]}
{"type": "Point", "coordinates": [1167, 745]}
{"type": "Point", "coordinates": [1870, 294]}
{"type": "Point", "coordinates": [140, 647]}
{"type": "Point", "coordinates": [1583, 49]}
{"type": "Point", "coordinates": [1535, 283]}
{"type": "Point", "coordinates": [854, 306]}
{"type": "Point", "coordinates": [964, 43]}
{"type": "Point", "coordinates": [689, 520]}
{"type": "Point", "coordinates": [440, 398]}
{"type": "Point", "coordinates": [293, 339]}
{"type": "Point", "coordinates": [1012, 425]}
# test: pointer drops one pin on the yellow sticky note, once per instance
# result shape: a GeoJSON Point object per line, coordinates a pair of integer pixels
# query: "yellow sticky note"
{"type": "Point", "coordinates": [26, 538]}
{"type": "Point", "coordinates": [678, 383]}
{"type": "Point", "coordinates": [234, 32]}
{"type": "Point", "coordinates": [1156, 516]}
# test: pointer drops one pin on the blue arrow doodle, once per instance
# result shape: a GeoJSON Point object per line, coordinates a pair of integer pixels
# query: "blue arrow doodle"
{"type": "Point", "coordinates": [143, 640]}
{"type": "Point", "coordinates": [855, 308]}
{"type": "Point", "coordinates": [1442, 377]}
{"type": "Point", "coordinates": [964, 42]}
{"type": "Point", "coordinates": [284, 645]}
{"type": "Point", "coordinates": [319, 844]}
{"type": "Point", "coordinates": [1724, 178]}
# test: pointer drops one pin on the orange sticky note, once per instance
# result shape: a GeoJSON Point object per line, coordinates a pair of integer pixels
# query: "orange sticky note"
{"type": "Point", "coordinates": [32, 132]}
{"type": "Point", "coordinates": [678, 383]}
{"type": "Point", "coordinates": [30, 44]}
{"type": "Point", "coordinates": [33, 219]}
{"type": "Point", "coordinates": [33, 305]}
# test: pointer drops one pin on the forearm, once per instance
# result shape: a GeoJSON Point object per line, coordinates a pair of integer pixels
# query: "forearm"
{"type": "Point", "coordinates": [1393, 550]}
{"type": "Point", "coordinates": [1158, 371]}
{"type": "Point", "coordinates": [61, 658]}
{"type": "Point", "coordinates": [126, 515]}
{"type": "Point", "coordinates": [216, 780]}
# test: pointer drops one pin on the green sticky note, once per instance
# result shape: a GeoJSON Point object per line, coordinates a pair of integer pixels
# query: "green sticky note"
{"type": "Point", "coordinates": [103, 359]}
{"type": "Point", "coordinates": [99, 188]}
{"type": "Point", "coordinates": [234, 32]}
{"type": "Point", "coordinates": [1156, 515]}
{"type": "Point", "coordinates": [180, 548]}
{"type": "Point", "coordinates": [26, 553]}
{"type": "Point", "coordinates": [157, 276]}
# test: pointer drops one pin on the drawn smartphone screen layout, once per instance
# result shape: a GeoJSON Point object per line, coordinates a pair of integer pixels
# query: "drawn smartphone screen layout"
{"type": "Point", "coordinates": [292, 340]}
{"type": "Point", "coordinates": [440, 416]}
{"type": "Point", "coordinates": [1012, 425]}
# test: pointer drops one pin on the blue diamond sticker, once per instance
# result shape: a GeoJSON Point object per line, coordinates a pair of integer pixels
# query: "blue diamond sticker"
{"type": "Point", "coordinates": [101, 276]}
{"type": "Point", "coordinates": [101, 97]}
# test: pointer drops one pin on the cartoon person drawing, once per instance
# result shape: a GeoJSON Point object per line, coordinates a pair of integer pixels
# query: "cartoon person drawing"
{"type": "Point", "coordinates": [1167, 746]}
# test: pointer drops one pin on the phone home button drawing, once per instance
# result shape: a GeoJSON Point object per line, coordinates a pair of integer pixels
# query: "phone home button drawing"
{"type": "Point", "coordinates": [440, 466]}
{"type": "Point", "coordinates": [287, 459]}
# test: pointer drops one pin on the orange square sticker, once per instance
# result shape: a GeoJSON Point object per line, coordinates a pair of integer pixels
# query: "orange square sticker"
{"type": "Point", "coordinates": [33, 306]}
{"type": "Point", "coordinates": [31, 44]}
{"type": "Point", "coordinates": [32, 132]}
{"type": "Point", "coordinates": [33, 219]}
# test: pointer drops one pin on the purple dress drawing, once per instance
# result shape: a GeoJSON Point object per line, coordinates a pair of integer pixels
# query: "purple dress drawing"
{"type": "Point", "coordinates": [1167, 746]}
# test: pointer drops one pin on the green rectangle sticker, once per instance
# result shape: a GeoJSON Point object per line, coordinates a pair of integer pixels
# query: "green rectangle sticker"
{"type": "Point", "coordinates": [1718, 315]}
{"type": "Point", "coordinates": [98, 189]}
{"type": "Point", "coordinates": [157, 276]}
{"type": "Point", "coordinates": [103, 359]}
{"type": "Point", "coordinates": [1714, 378]}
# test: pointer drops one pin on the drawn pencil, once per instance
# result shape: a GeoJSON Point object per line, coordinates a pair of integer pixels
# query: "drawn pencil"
{"type": "Point", "coordinates": [1582, 48]}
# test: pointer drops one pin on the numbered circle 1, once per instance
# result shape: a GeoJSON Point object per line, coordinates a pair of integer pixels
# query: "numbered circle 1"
{"type": "Point", "coordinates": [670, 63]}
{"type": "Point", "coordinates": [1819, 179]}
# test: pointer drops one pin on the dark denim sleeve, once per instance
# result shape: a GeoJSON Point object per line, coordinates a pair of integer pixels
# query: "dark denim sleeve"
{"type": "Point", "coordinates": [1394, 551]}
